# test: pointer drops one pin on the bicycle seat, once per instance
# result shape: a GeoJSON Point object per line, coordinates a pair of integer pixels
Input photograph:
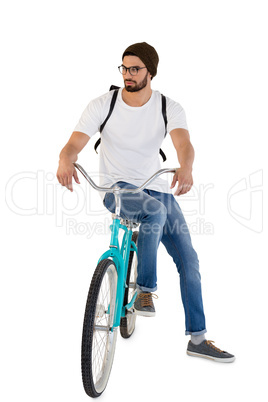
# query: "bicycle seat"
{"type": "Point", "coordinates": [130, 224]}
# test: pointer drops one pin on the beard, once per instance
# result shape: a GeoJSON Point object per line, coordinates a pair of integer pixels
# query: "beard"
{"type": "Point", "coordinates": [137, 87]}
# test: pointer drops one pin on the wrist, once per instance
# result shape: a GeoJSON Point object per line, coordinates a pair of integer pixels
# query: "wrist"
{"type": "Point", "coordinates": [187, 167]}
{"type": "Point", "coordinates": [65, 163]}
{"type": "Point", "coordinates": [66, 158]}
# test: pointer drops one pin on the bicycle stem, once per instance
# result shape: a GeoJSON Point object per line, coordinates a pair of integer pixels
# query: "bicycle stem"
{"type": "Point", "coordinates": [117, 196]}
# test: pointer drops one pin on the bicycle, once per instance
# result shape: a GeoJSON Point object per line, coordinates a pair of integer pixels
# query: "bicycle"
{"type": "Point", "coordinates": [111, 296]}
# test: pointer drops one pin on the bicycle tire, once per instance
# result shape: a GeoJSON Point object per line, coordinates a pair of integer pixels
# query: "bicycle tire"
{"type": "Point", "coordinates": [127, 324]}
{"type": "Point", "coordinates": [98, 341]}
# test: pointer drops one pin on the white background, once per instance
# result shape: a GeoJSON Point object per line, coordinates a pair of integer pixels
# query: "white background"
{"type": "Point", "coordinates": [56, 57]}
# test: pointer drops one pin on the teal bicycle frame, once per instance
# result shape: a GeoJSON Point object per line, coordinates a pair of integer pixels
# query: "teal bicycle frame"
{"type": "Point", "coordinates": [120, 256]}
{"type": "Point", "coordinates": [120, 253]}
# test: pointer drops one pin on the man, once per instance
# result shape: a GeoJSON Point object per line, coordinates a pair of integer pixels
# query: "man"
{"type": "Point", "coordinates": [129, 155]}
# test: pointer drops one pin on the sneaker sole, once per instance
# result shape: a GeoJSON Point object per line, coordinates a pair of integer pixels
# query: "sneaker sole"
{"type": "Point", "coordinates": [215, 359]}
{"type": "Point", "coordinates": [144, 313]}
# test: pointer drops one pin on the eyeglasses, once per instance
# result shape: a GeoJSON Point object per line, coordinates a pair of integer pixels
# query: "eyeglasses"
{"type": "Point", "coordinates": [132, 70]}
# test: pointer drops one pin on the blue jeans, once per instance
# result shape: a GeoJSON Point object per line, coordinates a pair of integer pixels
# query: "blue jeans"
{"type": "Point", "coordinates": [161, 219]}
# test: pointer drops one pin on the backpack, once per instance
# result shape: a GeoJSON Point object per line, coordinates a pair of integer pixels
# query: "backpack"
{"type": "Point", "coordinates": [112, 104]}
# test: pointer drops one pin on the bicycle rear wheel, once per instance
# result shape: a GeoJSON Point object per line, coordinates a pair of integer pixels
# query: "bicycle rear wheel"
{"type": "Point", "coordinates": [98, 341]}
{"type": "Point", "coordinates": [127, 323]}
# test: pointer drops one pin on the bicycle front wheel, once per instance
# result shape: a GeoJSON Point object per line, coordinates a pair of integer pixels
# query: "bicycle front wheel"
{"type": "Point", "coordinates": [98, 339]}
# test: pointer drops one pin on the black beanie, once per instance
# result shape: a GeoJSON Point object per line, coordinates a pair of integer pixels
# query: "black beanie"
{"type": "Point", "coordinates": [147, 54]}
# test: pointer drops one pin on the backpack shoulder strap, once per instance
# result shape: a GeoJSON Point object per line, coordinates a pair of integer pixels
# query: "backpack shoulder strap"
{"type": "Point", "coordinates": [113, 87]}
{"type": "Point", "coordinates": [162, 153]}
{"type": "Point", "coordinates": [110, 110]}
{"type": "Point", "coordinates": [116, 89]}
{"type": "Point", "coordinates": [164, 113]}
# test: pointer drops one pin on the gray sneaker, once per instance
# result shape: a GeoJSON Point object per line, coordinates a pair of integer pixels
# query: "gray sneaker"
{"type": "Point", "coordinates": [144, 304]}
{"type": "Point", "coordinates": [207, 350]}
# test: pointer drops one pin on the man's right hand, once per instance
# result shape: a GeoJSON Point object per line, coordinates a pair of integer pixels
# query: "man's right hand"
{"type": "Point", "coordinates": [66, 171]}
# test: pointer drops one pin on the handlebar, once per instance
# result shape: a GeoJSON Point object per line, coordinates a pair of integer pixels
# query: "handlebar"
{"type": "Point", "coordinates": [117, 189]}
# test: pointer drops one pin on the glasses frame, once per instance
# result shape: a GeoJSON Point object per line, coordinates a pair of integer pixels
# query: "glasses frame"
{"type": "Point", "coordinates": [128, 68]}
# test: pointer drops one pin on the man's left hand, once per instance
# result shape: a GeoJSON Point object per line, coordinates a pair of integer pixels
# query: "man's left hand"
{"type": "Point", "coordinates": [185, 181]}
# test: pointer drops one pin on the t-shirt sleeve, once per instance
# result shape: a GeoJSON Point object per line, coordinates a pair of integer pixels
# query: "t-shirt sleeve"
{"type": "Point", "coordinates": [175, 116]}
{"type": "Point", "coordinates": [91, 118]}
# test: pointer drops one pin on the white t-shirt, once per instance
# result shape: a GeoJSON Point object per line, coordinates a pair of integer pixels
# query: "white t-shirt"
{"type": "Point", "coordinates": [131, 138]}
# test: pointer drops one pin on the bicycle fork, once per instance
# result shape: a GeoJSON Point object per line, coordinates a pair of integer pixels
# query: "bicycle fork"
{"type": "Point", "coordinates": [120, 256]}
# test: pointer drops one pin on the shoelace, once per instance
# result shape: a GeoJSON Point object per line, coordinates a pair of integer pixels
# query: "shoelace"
{"type": "Point", "coordinates": [210, 343]}
{"type": "Point", "coordinates": [147, 299]}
